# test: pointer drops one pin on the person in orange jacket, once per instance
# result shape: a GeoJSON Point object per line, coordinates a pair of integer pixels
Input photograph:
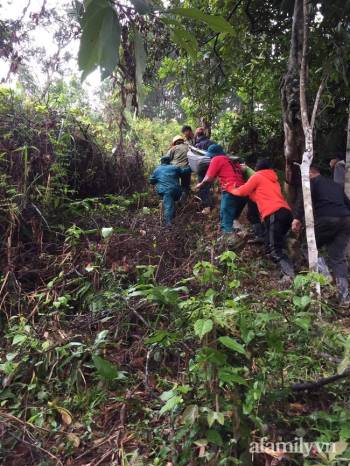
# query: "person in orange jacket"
{"type": "Point", "coordinates": [264, 189]}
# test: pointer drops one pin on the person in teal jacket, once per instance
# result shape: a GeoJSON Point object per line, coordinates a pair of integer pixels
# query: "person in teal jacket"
{"type": "Point", "coordinates": [166, 179]}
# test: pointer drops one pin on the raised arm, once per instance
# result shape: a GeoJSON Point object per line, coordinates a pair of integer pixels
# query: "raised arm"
{"type": "Point", "coordinates": [247, 188]}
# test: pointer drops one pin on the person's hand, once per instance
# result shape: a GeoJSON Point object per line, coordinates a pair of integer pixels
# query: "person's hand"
{"type": "Point", "coordinates": [296, 225]}
{"type": "Point", "coordinates": [198, 187]}
{"type": "Point", "coordinates": [332, 163]}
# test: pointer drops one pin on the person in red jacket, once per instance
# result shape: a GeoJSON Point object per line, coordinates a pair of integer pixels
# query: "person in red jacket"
{"type": "Point", "coordinates": [264, 189]}
{"type": "Point", "coordinates": [230, 175]}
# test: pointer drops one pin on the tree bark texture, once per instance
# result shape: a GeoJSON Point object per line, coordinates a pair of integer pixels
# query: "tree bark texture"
{"type": "Point", "coordinates": [347, 163]}
{"type": "Point", "coordinates": [309, 149]}
{"type": "Point", "coordinates": [290, 94]}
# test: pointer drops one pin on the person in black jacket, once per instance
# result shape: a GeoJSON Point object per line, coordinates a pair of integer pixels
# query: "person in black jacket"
{"type": "Point", "coordinates": [332, 226]}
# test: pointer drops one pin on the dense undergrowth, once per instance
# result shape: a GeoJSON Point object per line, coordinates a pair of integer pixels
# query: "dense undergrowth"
{"type": "Point", "coordinates": [124, 343]}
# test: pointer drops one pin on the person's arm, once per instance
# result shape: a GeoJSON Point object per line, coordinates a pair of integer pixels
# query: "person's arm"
{"type": "Point", "coordinates": [339, 173]}
{"type": "Point", "coordinates": [153, 178]}
{"type": "Point", "coordinates": [246, 189]}
{"type": "Point", "coordinates": [298, 213]}
{"type": "Point", "coordinates": [212, 173]}
{"type": "Point", "coordinates": [206, 180]}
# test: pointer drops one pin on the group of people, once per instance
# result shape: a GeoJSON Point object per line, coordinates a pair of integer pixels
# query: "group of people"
{"type": "Point", "coordinates": [268, 210]}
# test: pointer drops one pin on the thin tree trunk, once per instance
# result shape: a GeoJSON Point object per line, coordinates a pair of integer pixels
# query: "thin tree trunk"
{"type": "Point", "coordinates": [347, 163]}
{"type": "Point", "coordinates": [309, 149]}
{"type": "Point", "coordinates": [290, 96]}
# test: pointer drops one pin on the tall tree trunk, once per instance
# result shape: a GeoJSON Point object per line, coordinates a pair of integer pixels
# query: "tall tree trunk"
{"type": "Point", "coordinates": [347, 163]}
{"type": "Point", "coordinates": [290, 92]}
{"type": "Point", "coordinates": [309, 148]}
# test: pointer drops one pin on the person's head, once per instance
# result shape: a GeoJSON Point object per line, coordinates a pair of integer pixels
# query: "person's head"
{"type": "Point", "coordinates": [178, 140]}
{"type": "Point", "coordinates": [187, 131]}
{"type": "Point", "coordinates": [215, 149]}
{"type": "Point", "coordinates": [263, 164]}
{"type": "Point", "coordinates": [165, 160]}
{"type": "Point", "coordinates": [199, 132]}
{"type": "Point", "coordinates": [314, 171]}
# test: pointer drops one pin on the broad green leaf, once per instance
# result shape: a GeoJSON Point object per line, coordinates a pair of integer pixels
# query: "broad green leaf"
{"type": "Point", "coordinates": [100, 338]}
{"type": "Point", "coordinates": [214, 437]}
{"type": "Point", "coordinates": [165, 396]}
{"type": "Point", "coordinates": [91, 25]}
{"type": "Point", "coordinates": [228, 376]}
{"type": "Point", "coordinates": [301, 302]}
{"type": "Point", "coordinates": [99, 43]}
{"type": "Point", "coordinates": [185, 40]}
{"type": "Point", "coordinates": [190, 415]}
{"type": "Point", "coordinates": [232, 344]}
{"type": "Point", "coordinates": [171, 22]}
{"type": "Point", "coordinates": [202, 442]}
{"type": "Point", "coordinates": [109, 43]}
{"type": "Point", "coordinates": [202, 327]}
{"type": "Point", "coordinates": [303, 322]}
{"type": "Point", "coordinates": [18, 339]}
{"type": "Point", "coordinates": [140, 61]}
{"type": "Point", "coordinates": [106, 369]}
{"type": "Point", "coordinates": [172, 403]}
{"type": "Point", "coordinates": [106, 232]}
{"type": "Point", "coordinates": [216, 23]}
{"type": "Point", "coordinates": [344, 433]}
{"type": "Point", "coordinates": [344, 364]}
{"type": "Point", "coordinates": [211, 418]}
{"type": "Point", "coordinates": [215, 416]}
{"type": "Point", "coordinates": [142, 6]}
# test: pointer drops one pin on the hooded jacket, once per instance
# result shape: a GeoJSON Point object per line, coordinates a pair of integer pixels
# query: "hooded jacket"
{"type": "Point", "coordinates": [166, 177]}
{"type": "Point", "coordinates": [264, 189]}
{"type": "Point", "coordinates": [203, 143]}
{"type": "Point", "coordinates": [328, 199]}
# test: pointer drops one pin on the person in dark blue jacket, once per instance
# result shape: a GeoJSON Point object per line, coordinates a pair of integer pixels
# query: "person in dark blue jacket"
{"type": "Point", "coordinates": [201, 140]}
{"type": "Point", "coordinates": [166, 179]}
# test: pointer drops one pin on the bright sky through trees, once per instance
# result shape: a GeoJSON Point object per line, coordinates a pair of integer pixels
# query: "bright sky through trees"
{"type": "Point", "coordinates": [42, 36]}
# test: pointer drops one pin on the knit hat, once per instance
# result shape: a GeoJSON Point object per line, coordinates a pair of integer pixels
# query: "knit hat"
{"type": "Point", "coordinates": [215, 149]}
{"type": "Point", "coordinates": [263, 165]}
{"type": "Point", "coordinates": [165, 160]}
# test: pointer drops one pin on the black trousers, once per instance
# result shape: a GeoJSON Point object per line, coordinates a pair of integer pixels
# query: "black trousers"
{"type": "Point", "coordinates": [253, 217]}
{"type": "Point", "coordinates": [277, 226]}
{"type": "Point", "coordinates": [334, 234]}
{"type": "Point", "coordinates": [185, 182]}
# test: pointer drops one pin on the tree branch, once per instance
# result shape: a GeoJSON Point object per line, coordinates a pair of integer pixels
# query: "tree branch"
{"type": "Point", "coordinates": [298, 387]}
{"type": "Point", "coordinates": [317, 100]}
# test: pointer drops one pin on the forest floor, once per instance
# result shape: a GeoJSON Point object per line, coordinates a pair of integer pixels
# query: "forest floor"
{"type": "Point", "coordinates": [117, 323]}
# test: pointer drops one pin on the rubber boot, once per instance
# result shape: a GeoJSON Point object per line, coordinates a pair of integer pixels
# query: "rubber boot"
{"type": "Point", "coordinates": [343, 291]}
{"type": "Point", "coordinates": [259, 234]}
